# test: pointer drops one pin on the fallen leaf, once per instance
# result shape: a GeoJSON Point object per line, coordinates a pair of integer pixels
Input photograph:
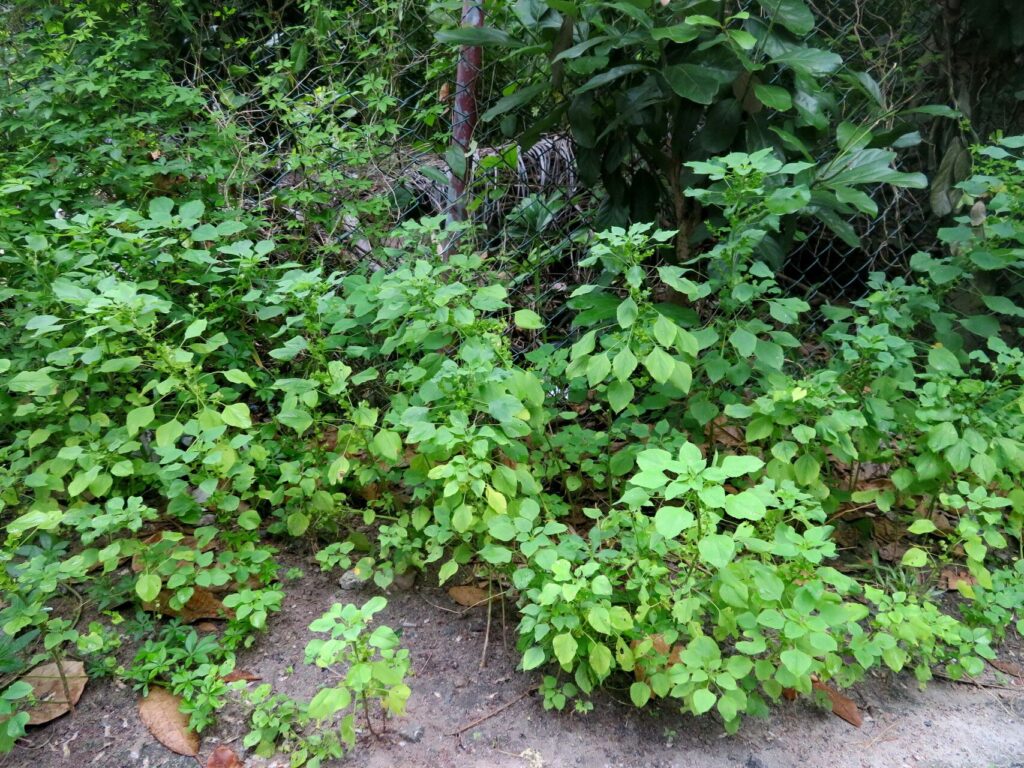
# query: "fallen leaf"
{"type": "Point", "coordinates": [843, 707]}
{"type": "Point", "coordinates": [1008, 668]}
{"type": "Point", "coordinates": [48, 689]}
{"type": "Point", "coordinates": [240, 674]}
{"type": "Point", "coordinates": [223, 757]}
{"type": "Point", "coordinates": [469, 595]}
{"type": "Point", "coordinates": [951, 578]}
{"type": "Point", "coordinates": [160, 712]}
{"type": "Point", "coordinates": [202, 605]}
{"type": "Point", "coordinates": [660, 647]}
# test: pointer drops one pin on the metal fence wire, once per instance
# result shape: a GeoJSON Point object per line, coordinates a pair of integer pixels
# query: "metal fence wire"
{"type": "Point", "coordinates": [420, 97]}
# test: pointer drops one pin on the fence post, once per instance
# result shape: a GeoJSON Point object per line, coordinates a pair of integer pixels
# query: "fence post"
{"type": "Point", "coordinates": [464, 114]}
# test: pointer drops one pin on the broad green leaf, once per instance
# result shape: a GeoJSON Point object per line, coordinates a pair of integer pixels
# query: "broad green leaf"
{"type": "Point", "coordinates": [678, 33]}
{"type": "Point", "coordinates": [620, 394]}
{"type": "Point", "coordinates": [236, 376]}
{"type": "Point", "coordinates": [528, 319]}
{"type": "Point", "coordinates": [598, 368]}
{"type": "Point", "coordinates": [236, 415]}
{"type": "Point", "coordinates": [329, 701]}
{"type": "Point", "coordinates": [660, 365]}
{"type": "Point", "coordinates": [195, 328]}
{"type": "Point", "coordinates": [148, 586]}
{"type": "Point", "coordinates": [671, 521]}
{"type": "Point", "coordinates": [716, 549]}
{"type": "Point", "coordinates": [600, 658]}
{"type": "Point", "coordinates": [565, 646]}
{"type": "Point", "coordinates": [703, 700]}
{"type": "Point", "coordinates": [640, 693]}
{"type": "Point", "coordinates": [774, 97]}
{"type": "Point", "coordinates": [794, 15]}
{"type": "Point", "coordinates": [738, 466]}
{"type": "Point", "coordinates": [914, 558]}
{"type": "Point", "coordinates": [796, 661]}
{"type": "Point", "coordinates": [387, 444]}
{"type": "Point", "coordinates": [942, 360]}
{"type": "Point", "coordinates": [693, 82]}
{"type": "Point", "coordinates": [627, 312]}
{"type": "Point", "coordinates": [533, 658]}
{"type": "Point", "coordinates": [297, 523]}
{"type": "Point", "coordinates": [624, 364]}
{"type": "Point", "coordinates": [745, 505]}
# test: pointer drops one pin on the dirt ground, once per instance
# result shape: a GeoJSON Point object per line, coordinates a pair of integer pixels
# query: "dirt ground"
{"type": "Point", "coordinates": [948, 725]}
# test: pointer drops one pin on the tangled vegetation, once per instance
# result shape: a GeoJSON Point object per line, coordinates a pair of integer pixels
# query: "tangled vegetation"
{"type": "Point", "coordinates": [192, 373]}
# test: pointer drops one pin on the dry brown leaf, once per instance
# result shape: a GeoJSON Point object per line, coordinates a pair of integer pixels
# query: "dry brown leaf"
{"type": "Point", "coordinates": [240, 674]}
{"type": "Point", "coordinates": [469, 595]}
{"type": "Point", "coordinates": [48, 689]}
{"type": "Point", "coordinates": [843, 707]}
{"type": "Point", "coordinates": [161, 715]}
{"type": "Point", "coordinates": [224, 757]}
{"type": "Point", "coordinates": [660, 647]}
{"type": "Point", "coordinates": [202, 605]}
{"type": "Point", "coordinates": [728, 434]}
{"type": "Point", "coordinates": [951, 578]}
{"type": "Point", "coordinates": [789, 694]}
{"type": "Point", "coordinates": [1008, 668]}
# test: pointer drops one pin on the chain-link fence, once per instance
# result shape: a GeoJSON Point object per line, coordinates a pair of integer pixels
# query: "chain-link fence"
{"type": "Point", "coordinates": [391, 121]}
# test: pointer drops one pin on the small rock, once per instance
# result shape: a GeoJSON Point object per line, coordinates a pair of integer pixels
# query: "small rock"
{"type": "Point", "coordinates": [207, 520]}
{"type": "Point", "coordinates": [411, 732]}
{"type": "Point", "coordinates": [404, 581]}
{"type": "Point", "coordinates": [350, 580]}
{"type": "Point", "coordinates": [754, 762]}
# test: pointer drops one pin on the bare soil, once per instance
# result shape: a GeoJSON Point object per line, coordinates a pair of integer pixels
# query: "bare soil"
{"type": "Point", "coordinates": [948, 725]}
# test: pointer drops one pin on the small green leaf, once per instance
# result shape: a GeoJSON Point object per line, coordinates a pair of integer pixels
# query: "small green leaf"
{"type": "Point", "coordinates": [914, 557]}
{"type": "Point", "coordinates": [660, 365]}
{"type": "Point", "coordinates": [716, 549]}
{"type": "Point", "coordinates": [671, 521]}
{"type": "Point", "coordinates": [745, 505]}
{"type": "Point", "coordinates": [640, 693]}
{"type": "Point", "coordinates": [236, 415]}
{"type": "Point", "coordinates": [387, 444]}
{"type": "Point", "coordinates": [796, 661]}
{"type": "Point", "coordinates": [297, 523]}
{"type": "Point", "coordinates": [627, 313]}
{"type": "Point", "coordinates": [148, 586]}
{"type": "Point", "coordinates": [624, 364]}
{"type": "Point", "coordinates": [565, 647]}
{"type": "Point", "coordinates": [195, 328]}
{"type": "Point", "coordinates": [703, 701]}
{"type": "Point", "coordinates": [249, 520]}
{"type": "Point", "coordinates": [527, 319]}
{"type": "Point", "coordinates": [533, 658]}
{"type": "Point", "coordinates": [236, 376]}
{"type": "Point", "coordinates": [139, 418]}
{"type": "Point", "coordinates": [600, 658]}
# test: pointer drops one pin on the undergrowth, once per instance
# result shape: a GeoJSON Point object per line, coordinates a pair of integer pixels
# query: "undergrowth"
{"type": "Point", "coordinates": [185, 383]}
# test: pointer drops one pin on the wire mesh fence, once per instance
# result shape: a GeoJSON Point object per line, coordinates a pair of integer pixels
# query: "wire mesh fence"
{"type": "Point", "coordinates": [391, 122]}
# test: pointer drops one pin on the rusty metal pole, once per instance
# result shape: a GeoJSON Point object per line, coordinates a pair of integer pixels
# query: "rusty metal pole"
{"type": "Point", "coordinates": [464, 113]}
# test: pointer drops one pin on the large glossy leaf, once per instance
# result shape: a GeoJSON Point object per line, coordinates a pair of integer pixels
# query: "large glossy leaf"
{"type": "Point", "coordinates": [692, 82]}
{"type": "Point", "coordinates": [794, 15]}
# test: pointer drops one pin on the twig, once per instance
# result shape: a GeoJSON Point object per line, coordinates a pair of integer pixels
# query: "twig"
{"type": "Point", "coordinates": [487, 631]}
{"type": "Point", "coordinates": [979, 684]}
{"type": "Point", "coordinates": [64, 684]}
{"type": "Point", "coordinates": [497, 711]}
